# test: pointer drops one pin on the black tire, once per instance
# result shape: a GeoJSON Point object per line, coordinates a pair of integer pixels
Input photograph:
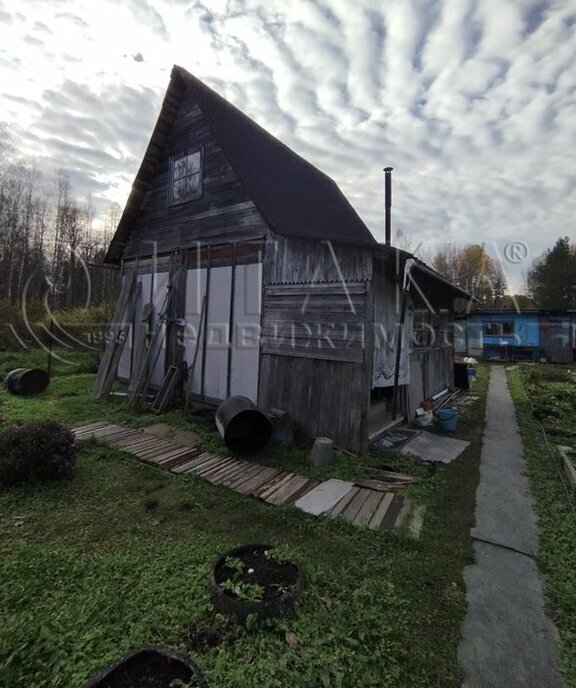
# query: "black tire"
{"type": "Point", "coordinates": [230, 605]}
{"type": "Point", "coordinates": [183, 663]}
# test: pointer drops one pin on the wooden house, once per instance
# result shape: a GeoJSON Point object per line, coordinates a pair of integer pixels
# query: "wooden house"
{"type": "Point", "coordinates": [251, 273]}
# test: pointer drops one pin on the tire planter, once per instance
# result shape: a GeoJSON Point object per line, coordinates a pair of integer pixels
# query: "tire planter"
{"type": "Point", "coordinates": [283, 582]}
{"type": "Point", "coordinates": [149, 667]}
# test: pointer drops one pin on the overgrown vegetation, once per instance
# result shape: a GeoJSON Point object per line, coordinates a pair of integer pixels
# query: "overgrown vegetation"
{"type": "Point", "coordinates": [90, 569]}
{"type": "Point", "coordinates": [545, 398]}
{"type": "Point", "coordinates": [552, 393]}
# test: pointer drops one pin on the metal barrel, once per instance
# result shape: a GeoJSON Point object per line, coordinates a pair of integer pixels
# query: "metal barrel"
{"type": "Point", "coordinates": [26, 382]}
{"type": "Point", "coordinates": [244, 428]}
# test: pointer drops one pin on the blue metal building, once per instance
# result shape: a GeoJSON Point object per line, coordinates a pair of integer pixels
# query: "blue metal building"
{"type": "Point", "coordinates": [530, 335]}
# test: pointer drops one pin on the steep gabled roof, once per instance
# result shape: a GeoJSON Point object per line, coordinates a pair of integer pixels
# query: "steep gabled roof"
{"type": "Point", "coordinates": [295, 198]}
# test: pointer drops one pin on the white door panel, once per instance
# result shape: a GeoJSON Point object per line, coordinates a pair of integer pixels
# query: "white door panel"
{"type": "Point", "coordinates": [244, 355]}
{"type": "Point", "coordinates": [159, 353]}
{"type": "Point", "coordinates": [246, 331]}
{"type": "Point", "coordinates": [216, 367]}
{"type": "Point", "coordinates": [193, 338]}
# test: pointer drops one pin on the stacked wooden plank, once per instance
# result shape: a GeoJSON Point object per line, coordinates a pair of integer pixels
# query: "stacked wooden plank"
{"type": "Point", "coordinates": [361, 506]}
{"type": "Point", "coordinates": [135, 441]}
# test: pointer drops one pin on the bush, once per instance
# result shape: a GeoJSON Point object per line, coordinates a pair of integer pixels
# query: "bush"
{"type": "Point", "coordinates": [36, 453]}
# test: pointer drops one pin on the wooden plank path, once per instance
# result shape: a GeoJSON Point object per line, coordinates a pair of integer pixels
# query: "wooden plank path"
{"type": "Point", "coordinates": [360, 506]}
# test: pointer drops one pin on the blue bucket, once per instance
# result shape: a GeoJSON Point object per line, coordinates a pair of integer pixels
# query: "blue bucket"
{"type": "Point", "coordinates": [448, 418]}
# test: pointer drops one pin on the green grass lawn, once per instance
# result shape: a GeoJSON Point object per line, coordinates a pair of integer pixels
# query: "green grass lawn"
{"type": "Point", "coordinates": [548, 405]}
{"type": "Point", "coordinates": [119, 556]}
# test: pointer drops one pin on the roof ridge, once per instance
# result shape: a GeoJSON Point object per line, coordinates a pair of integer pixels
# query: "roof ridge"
{"type": "Point", "coordinates": [210, 92]}
{"type": "Point", "coordinates": [294, 196]}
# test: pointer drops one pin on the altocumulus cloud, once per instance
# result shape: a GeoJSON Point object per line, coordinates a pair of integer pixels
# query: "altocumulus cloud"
{"type": "Point", "coordinates": [471, 101]}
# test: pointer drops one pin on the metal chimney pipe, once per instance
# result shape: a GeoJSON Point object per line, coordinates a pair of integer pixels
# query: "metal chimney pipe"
{"type": "Point", "coordinates": [388, 203]}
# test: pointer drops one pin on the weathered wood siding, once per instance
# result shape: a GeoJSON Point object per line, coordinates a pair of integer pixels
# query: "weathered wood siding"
{"type": "Point", "coordinates": [225, 211]}
{"type": "Point", "coordinates": [296, 261]}
{"type": "Point", "coordinates": [323, 398]}
{"type": "Point", "coordinates": [324, 321]}
{"type": "Point", "coordinates": [313, 345]}
{"type": "Point", "coordinates": [437, 365]}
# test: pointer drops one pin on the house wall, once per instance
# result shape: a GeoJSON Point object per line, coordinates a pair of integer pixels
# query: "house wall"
{"type": "Point", "coordinates": [294, 261]}
{"type": "Point", "coordinates": [556, 338]}
{"type": "Point", "coordinates": [551, 336]}
{"type": "Point", "coordinates": [224, 212]}
{"type": "Point", "coordinates": [386, 301]}
{"type": "Point", "coordinates": [526, 331]}
{"type": "Point", "coordinates": [424, 370]}
{"type": "Point", "coordinates": [526, 334]}
{"type": "Point", "coordinates": [313, 360]}
{"type": "Point", "coordinates": [215, 325]}
{"type": "Point", "coordinates": [436, 367]}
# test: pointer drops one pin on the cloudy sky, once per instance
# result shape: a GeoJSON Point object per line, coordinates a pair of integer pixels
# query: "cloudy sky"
{"type": "Point", "coordinates": [473, 102]}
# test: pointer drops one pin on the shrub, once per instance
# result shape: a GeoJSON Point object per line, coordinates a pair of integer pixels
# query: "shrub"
{"type": "Point", "coordinates": [36, 453]}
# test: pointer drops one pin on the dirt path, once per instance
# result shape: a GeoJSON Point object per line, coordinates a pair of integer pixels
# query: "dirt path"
{"type": "Point", "coordinates": [507, 640]}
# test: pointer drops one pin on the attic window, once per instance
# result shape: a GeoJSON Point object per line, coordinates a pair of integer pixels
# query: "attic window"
{"type": "Point", "coordinates": [186, 177]}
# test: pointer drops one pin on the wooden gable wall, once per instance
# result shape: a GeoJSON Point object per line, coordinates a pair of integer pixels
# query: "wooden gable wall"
{"type": "Point", "coordinates": [224, 212]}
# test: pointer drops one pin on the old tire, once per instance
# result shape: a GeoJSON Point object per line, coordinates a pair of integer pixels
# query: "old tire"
{"type": "Point", "coordinates": [185, 669]}
{"type": "Point", "coordinates": [228, 604]}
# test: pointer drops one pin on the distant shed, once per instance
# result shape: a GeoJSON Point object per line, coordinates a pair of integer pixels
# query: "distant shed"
{"type": "Point", "coordinates": [528, 335]}
{"type": "Point", "coordinates": [262, 280]}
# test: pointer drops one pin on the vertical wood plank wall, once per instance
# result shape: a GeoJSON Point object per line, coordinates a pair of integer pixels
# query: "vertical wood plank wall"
{"type": "Point", "coordinates": [437, 366]}
{"type": "Point", "coordinates": [323, 396]}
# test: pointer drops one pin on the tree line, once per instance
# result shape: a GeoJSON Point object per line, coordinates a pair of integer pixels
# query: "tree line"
{"type": "Point", "coordinates": [551, 280]}
{"type": "Point", "coordinates": [549, 283]}
{"type": "Point", "coordinates": [49, 247]}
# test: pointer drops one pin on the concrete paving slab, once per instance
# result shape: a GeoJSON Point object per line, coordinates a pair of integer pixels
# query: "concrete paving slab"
{"type": "Point", "coordinates": [507, 640]}
{"type": "Point", "coordinates": [324, 497]}
{"type": "Point", "coordinates": [430, 447]}
{"type": "Point", "coordinates": [504, 512]}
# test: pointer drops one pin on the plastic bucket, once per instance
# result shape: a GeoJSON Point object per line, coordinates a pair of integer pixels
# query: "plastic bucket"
{"type": "Point", "coordinates": [448, 418]}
